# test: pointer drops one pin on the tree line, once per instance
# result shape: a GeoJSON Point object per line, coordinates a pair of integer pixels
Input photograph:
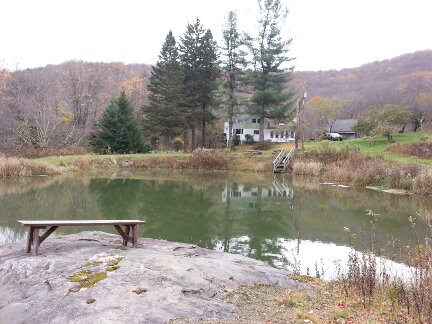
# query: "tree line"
{"type": "Point", "coordinates": [194, 85]}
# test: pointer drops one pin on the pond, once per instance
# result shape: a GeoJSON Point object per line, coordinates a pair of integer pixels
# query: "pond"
{"type": "Point", "coordinates": [297, 224]}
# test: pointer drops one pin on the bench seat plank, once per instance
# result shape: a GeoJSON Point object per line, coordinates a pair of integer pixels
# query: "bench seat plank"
{"type": "Point", "coordinates": [44, 223]}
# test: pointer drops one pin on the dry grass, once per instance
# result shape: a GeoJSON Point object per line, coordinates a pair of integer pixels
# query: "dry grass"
{"type": "Point", "coordinates": [33, 153]}
{"type": "Point", "coordinates": [410, 296]}
{"type": "Point", "coordinates": [422, 183]}
{"type": "Point", "coordinates": [18, 167]}
{"type": "Point", "coordinates": [263, 146]}
{"type": "Point", "coordinates": [421, 149]}
{"type": "Point", "coordinates": [301, 167]}
{"type": "Point", "coordinates": [347, 165]}
{"type": "Point", "coordinates": [208, 160]}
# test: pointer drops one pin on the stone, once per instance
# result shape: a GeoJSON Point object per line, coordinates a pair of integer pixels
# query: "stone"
{"type": "Point", "coordinates": [172, 282]}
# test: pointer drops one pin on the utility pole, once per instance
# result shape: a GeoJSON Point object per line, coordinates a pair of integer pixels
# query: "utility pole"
{"type": "Point", "coordinates": [300, 107]}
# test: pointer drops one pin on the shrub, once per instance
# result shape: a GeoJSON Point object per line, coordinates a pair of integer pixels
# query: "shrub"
{"type": "Point", "coordinates": [422, 183]}
{"type": "Point", "coordinates": [249, 139]}
{"type": "Point", "coordinates": [264, 146]}
{"type": "Point", "coordinates": [18, 167]}
{"type": "Point", "coordinates": [236, 140]}
{"type": "Point", "coordinates": [177, 143]}
{"type": "Point", "coordinates": [146, 147]}
{"type": "Point", "coordinates": [207, 159]}
{"type": "Point", "coordinates": [421, 149]}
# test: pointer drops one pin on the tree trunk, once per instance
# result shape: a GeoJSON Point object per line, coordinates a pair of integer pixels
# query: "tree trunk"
{"type": "Point", "coordinates": [389, 137]}
{"type": "Point", "coordinates": [203, 134]}
{"type": "Point", "coordinates": [193, 136]}
{"type": "Point", "coordinates": [167, 141]}
{"type": "Point", "coordinates": [185, 141]}
{"type": "Point", "coordinates": [230, 126]}
{"type": "Point", "coordinates": [261, 126]}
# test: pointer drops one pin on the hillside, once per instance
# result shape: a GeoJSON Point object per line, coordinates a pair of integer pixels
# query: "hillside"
{"type": "Point", "coordinates": [373, 83]}
{"type": "Point", "coordinates": [84, 90]}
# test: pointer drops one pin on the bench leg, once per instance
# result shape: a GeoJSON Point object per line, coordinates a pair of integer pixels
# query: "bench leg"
{"type": "Point", "coordinates": [36, 240]}
{"type": "Point", "coordinates": [127, 231]}
{"type": "Point", "coordinates": [135, 235]}
{"type": "Point", "coordinates": [29, 239]}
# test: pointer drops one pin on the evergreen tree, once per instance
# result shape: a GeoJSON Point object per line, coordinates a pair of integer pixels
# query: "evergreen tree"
{"type": "Point", "coordinates": [233, 63]}
{"type": "Point", "coordinates": [200, 63]}
{"type": "Point", "coordinates": [118, 131]}
{"type": "Point", "coordinates": [270, 75]}
{"type": "Point", "coordinates": [165, 113]}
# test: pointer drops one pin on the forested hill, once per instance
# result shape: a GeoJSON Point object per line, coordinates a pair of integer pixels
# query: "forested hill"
{"type": "Point", "coordinates": [372, 84]}
{"type": "Point", "coordinates": [84, 90]}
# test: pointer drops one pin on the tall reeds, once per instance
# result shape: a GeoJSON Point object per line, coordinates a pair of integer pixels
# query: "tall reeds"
{"type": "Point", "coordinates": [409, 294]}
{"type": "Point", "coordinates": [18, 167]}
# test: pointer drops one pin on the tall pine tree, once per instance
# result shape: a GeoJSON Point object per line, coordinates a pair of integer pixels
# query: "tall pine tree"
{"type": "Point", "coordinates": [233, 64]}
{"type": "Point", "coordinates": [198, 53]}
{"type": "Point", "coordinates": [118, 131]}
{"type": "Point", "coordinates": [270, 74]}
{"type": "Point", "coordinates": [165, 114]}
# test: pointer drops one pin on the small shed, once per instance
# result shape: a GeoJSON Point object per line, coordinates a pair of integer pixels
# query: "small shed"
{"type": "Point", "coordinates": [345, 128]}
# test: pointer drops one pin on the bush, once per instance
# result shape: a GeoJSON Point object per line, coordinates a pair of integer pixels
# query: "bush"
{"type": "Point", "coordinates": [264, 146]}
{"type": "Point", "coordinates": [17, 167]}
{"type": "Point", "coordinates": [177, 143]}
{"type": "Point", "coordinates": [146, 147]}
{"type": "Point", "coordinates": [421, 149]}
{"type": "Point", "coordinates": [249, 139]}
{"type": "Point", "coordinates": [422, 183]}
{"type": "Point", "coordinates": [236, 140]}
{"type": "Point", "coordinates": [207, 159]}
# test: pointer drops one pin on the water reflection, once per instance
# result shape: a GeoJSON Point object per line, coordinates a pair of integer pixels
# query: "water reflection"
{"type": "Point", "coordinates": [278, 220]}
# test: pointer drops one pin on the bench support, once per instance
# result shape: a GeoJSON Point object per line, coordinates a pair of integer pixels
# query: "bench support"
{"type": "Point", "coordinates": [34, 239]}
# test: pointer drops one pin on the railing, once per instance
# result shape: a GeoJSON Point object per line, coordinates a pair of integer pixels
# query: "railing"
{"type": "Point", "coordinates": [281, 162]}
{"type": "Point", "coordinates": [278, 159]}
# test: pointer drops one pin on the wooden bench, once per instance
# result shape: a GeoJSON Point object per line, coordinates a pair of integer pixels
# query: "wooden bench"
{"type": "Point", "coordinates": [35, 226]}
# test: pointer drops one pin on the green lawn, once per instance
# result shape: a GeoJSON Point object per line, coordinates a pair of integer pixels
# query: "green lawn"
{"type": "Point", "coordinates": [377, 145]}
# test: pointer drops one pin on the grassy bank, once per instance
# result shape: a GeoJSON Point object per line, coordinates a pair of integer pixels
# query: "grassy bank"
{"type": "Point", "coordinates": [372, 162]}
{"type": "Point", "coordinates": [362, 162]}
{"type": "Point", "coordinates": [378, 147]}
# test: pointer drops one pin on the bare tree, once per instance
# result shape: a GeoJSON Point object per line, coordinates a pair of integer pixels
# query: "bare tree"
{"type": "Point", "coordinates": [82, 87]}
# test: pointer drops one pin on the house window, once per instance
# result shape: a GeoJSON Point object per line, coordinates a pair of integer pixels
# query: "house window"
{"type": "Point", "coordinates": [271, 134]}
{"type": "Point", "coordinates": [287, 134]}
{"type": "Point", "coordinates": [277, 135]}
{"type": "Point", "coordinates": [254, 120]}
{"type": "Point", "coordinates": [239, 131]}
{"type": "Point", "coordinates": [256, 132]}
{"type": "Point", "coordinates": [258, 121]}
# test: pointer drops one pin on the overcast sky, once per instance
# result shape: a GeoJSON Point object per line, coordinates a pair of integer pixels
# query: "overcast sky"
{"type": "Point", "coordinates": [328, 34]}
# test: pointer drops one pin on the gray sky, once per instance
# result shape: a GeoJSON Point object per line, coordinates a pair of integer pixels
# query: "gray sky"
{"type": "Point", "coordinates": [328, 34]}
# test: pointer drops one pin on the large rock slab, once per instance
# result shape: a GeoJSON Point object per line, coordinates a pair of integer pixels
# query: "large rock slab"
{"type": "Point", "coordinates": [153, 283]}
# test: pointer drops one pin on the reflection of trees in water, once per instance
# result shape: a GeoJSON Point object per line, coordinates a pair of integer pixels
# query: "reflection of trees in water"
{"type": "Point", "coordinates": [62, 198]}
{"type": "Point", "coordinates": [216, 209]}
{"type": "Point", "coordinates": [118, 198]}
{"type": "Point", "coordinates": [12, 185]}
{"type": "Point", "coordinates": [336, 208]}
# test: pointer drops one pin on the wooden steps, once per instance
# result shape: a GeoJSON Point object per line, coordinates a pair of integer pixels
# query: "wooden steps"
{"type": "Point", "coordinates": [282, 160]}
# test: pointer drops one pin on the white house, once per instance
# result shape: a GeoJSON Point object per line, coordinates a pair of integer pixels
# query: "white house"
{"type": "Point", "coordinates": [273, 131]}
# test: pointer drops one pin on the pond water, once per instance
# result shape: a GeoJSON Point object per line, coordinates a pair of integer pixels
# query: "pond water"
{"type": "Point", "coordinates": [288, 223]}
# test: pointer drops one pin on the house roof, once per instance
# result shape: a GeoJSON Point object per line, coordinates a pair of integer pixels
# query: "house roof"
{"type": "Point", "coordinates": [344, 125]}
